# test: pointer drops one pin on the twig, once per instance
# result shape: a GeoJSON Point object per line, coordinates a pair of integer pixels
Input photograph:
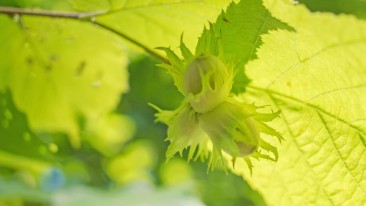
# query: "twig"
{"type": "Point", "coordinates": [148, 50]}
{"type": "Point", "coordinates": [82, 15]}
{"type": "Point", "coordinates": [69, 15]}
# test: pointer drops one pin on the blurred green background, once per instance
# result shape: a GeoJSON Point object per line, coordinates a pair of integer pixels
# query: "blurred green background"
{"type": "Point", "coordinates": [121, 161]}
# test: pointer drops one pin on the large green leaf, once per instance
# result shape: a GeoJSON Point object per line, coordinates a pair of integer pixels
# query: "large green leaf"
{"type": "Point", "coordinates": [60, 70]}
{"type": "Point", "coordinates": [158, 23]}
{"type": "Point", "coordinates": [316, 76]}
{"type": "Point", "coordinates": [151, 23]}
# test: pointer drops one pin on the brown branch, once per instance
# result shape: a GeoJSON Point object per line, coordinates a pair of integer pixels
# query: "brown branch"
{"type": "Point", "coordinates": [69, 15]}
{"type": "Point", "coordinates": [147, 50]}
{"type": "Point", "coordinates": [83, 15]}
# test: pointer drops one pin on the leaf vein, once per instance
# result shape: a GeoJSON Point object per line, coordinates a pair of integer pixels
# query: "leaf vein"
{"type": "Point", "coordinates": [337, 149]}
{"type": "Point", "coordinates": [298, 148]}
{"type": "Point", "coordinates": [298, 64]}
{"type": "Point", "coordinates": [336, 90]}
{"type": "Point", "coordinates": [271, 92]}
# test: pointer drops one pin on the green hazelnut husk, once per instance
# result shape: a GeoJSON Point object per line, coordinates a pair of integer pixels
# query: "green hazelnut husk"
{"type": "Point", "coordinates": [206, 82]}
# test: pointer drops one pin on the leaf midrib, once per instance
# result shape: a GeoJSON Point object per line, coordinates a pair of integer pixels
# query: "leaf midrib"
{"type": "Point", "coordinates": [309, 105]}
{"type": "Point", "coordinates": [339, 154]}
{"type": "Point", "coordinates": [301, 153]}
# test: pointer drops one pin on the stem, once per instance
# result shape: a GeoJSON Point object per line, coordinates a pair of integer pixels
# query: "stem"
{"type": "Point", "coordinates": [124, 36]}
{"type": "Point", "coordinates": [69, 15]}
{"type": "Point", "coordinates": [82, 15]}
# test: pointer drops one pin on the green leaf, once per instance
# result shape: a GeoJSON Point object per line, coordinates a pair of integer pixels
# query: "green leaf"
{"type": "Point", "coordinates": [109, 133]}
{"type": "Point", "coordinates": [238, 31]}
{"type": "Point", "coordinates": [151, 23]}
{"type": "Point", "coordinates": [59, 70]}
{"type": "Point", "coordinates": [134, 164]}
{"type": "Point", "coordinates": [316, 76]}
{"type": "Point", "coordinates": [157, 23]}
{"type": "Point", "coordinates": [16, 134]}
{"type": "Point", "coordinates": [20, 149]}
